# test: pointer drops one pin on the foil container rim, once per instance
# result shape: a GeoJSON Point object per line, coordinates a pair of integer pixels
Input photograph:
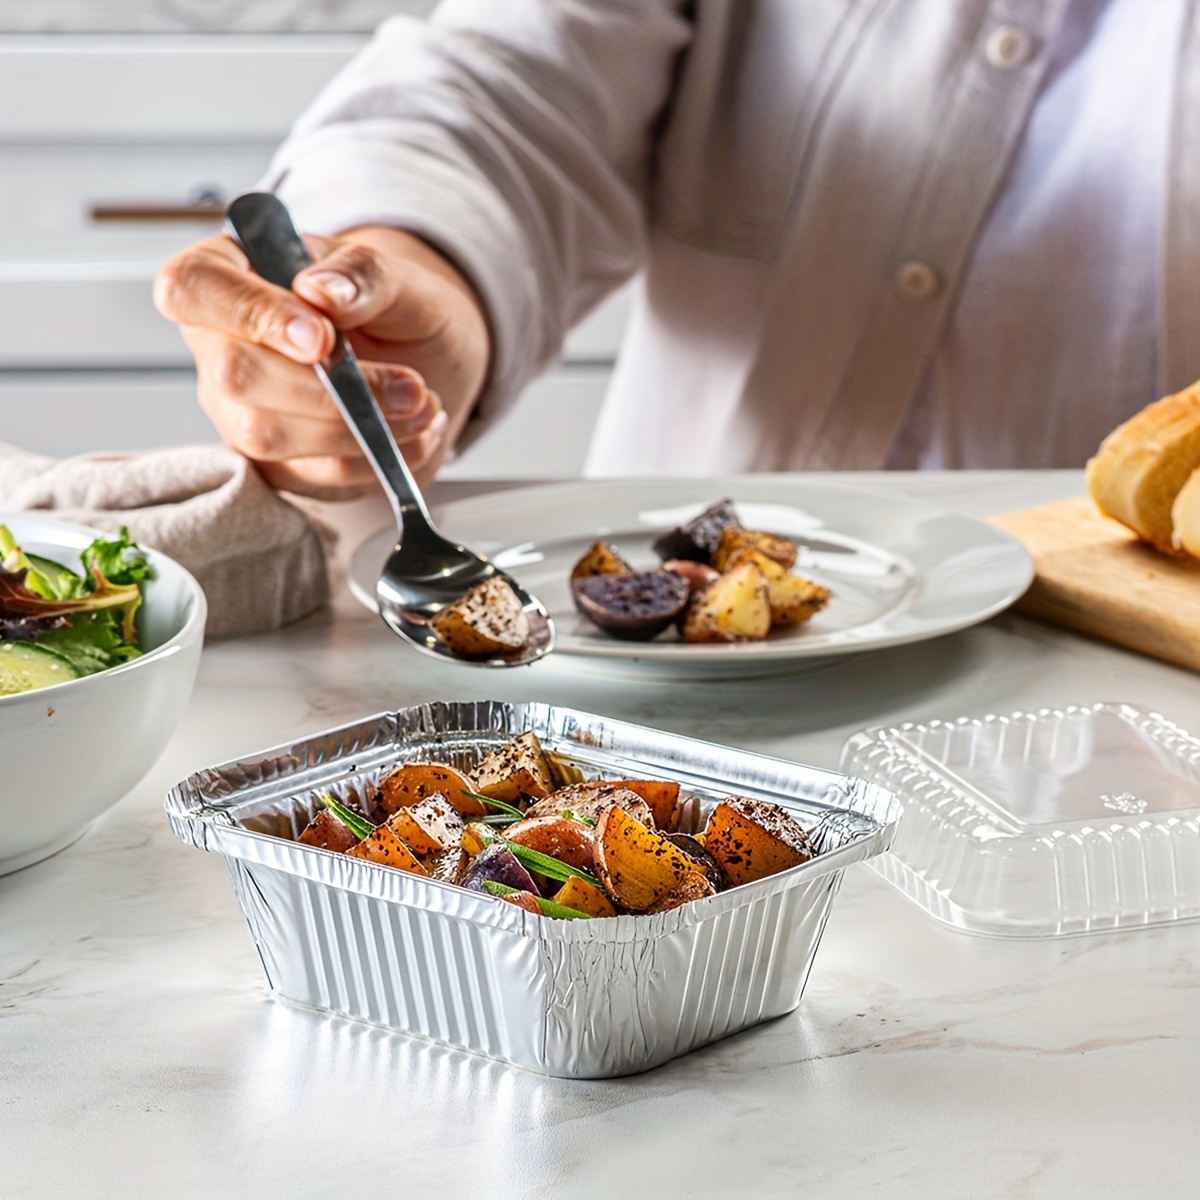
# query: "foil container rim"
{"type": "Point", "coordinates": [202, 818]}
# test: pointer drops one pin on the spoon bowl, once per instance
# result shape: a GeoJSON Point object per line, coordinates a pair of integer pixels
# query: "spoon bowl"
{"type": "Point", "coordinates": [425, 571]}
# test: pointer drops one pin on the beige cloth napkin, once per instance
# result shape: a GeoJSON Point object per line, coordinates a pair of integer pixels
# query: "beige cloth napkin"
{"type": "Point", "coordinates": [258, 558]}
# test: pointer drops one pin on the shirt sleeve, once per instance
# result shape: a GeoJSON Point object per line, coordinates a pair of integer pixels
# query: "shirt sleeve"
{"type": "Point", "coordinates": [516, 138]}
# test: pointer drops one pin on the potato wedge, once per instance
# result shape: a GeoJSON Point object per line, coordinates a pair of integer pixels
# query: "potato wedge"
{"type": "Point", "coordinates": [489, 619]}
{"type": "Point", "coordinates": [326, 831]}
{"type": "Point", "coordinates": [734, 539]}
{"type": "Point", "coordinates": [431, 826]}
{"type": "Point", "coordinates": [636, 606]}
{"type": "Point", "coordinates": [793, 598]}
{"type": "Point", "coordinates": [568, 840]}
{"type": "Point", "coordinates": [660, 794]}
{"type": "Point", "coordinates": [386, 847]}
{"type": "Point", "coordinates": [639, 867]}
{"type": "Point", "coordinates": [697, 539]}
{"type": "Point", "coordinates": [584, 897]}
{"type": "Point", "coordinates": [518, 768]}
{"type": "Point", "coordinates": [447, 866]}
{"type": "Point", "coordinates": [752, 839]}
{"type": "Point", "coordinates": [693, 887]}
{"type": "Point", "coordinates": [600, 559]}
{"type": "Point", "coordinates": [589, 801]}
{"type": "Point", "coordinates": [736, 607]}
{"type": "Point", "coordinates": [413, 782]}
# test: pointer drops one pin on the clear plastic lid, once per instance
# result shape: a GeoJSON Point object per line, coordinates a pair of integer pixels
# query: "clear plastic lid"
{"type": "Point", "coordinates": [1035, 824]}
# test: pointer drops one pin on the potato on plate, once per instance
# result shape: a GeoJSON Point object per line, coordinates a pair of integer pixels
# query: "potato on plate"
{"type": "Point", "coordinates": [793, 598]}
{"type": "Point", "coordinates": [697, 539]}
{"type": "Point", "coordinates": [636, 606]}
{"type": "Point", "coordinates": [734, 539]}
{"type": "Point", "coordinates": [735, 607]}
{"type": "Point", "coordinates": [600, 559]}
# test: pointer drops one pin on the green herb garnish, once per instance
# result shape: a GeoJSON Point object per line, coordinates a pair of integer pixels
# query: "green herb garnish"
{"type": "Point", "coordinates": [499, 805]}
{"type": "Point", "coordinates": [358, 825]}
{"type": "Point", "coordinates": [552, 868]}
{"type": "Point", "coordinates": [574, 816]}
{"type": "Point", "coordinates": [548, 908]}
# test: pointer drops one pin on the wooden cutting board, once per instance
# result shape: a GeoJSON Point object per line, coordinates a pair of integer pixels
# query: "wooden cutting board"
{"type": "Point", "coordinates": [1094, 575]}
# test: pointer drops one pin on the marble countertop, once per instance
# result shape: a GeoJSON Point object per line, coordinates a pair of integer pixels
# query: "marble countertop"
{"type": "Point", "coordinates": [141, 1053]}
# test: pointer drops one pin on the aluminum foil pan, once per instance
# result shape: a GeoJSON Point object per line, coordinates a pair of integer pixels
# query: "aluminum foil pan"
{"type": "Point", "coordinates": [581, 999]}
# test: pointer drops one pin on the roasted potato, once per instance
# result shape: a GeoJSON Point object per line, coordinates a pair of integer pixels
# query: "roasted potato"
{"type": "Point", "coordinates": [640, 869]}
{"type": "Point", "coordinates": [698, 575]}
{"type": "Point", "coordinates": [584, 897]}
{"type": "Point", "coordinates": [793, 598]}
{"type": "Point", "coordinates": [600, 559]}
{"type": "Point", "coordinates": [326, 831]}
{"type": "Point", "coordinates": [752, 839]}
{"type": "Point", "coordinates": [412, 782]}
{"type": "Point", "coordinates": [568, 840]}
{"type": "Point", "coordinates": [431, 826]}
{"type": "Point", "coordinates": [488, 620]}
{"type": "Point", "coordinates": [735, 607]}
{"type": "Point", "coordinates": [635, 607]}
{"type": "Point", "coordinates": [385, 846]}
{"type": "Point", "coordinates": [518, 768]}
{"type": "Point", "coordinates": [589, 801]}
{"type": "Point", "coordinates": [697, 539]}
{"type": "Point", "coordinates": [735, 539]}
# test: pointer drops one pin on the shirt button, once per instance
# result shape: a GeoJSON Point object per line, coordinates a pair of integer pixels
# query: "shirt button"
{"type": "Point", "coordinates": [1007, 47]}
{"type": "Point", "coordinates": [917, 281]}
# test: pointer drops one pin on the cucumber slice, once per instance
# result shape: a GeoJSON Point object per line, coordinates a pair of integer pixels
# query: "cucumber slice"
{"type": "Point", "coordinates": [24, 667]}
{"type": "Point", "coordinates": [63, 580]}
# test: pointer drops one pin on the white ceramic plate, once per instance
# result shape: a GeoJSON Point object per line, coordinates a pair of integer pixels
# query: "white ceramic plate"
{"type": "Point", "coordinates": [900, 570]}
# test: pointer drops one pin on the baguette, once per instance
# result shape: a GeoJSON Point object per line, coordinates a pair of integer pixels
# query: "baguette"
{"type": "Point", "coordinates": [1185, 516]}
{"type": "Point", "coordinates": [1142, 466]}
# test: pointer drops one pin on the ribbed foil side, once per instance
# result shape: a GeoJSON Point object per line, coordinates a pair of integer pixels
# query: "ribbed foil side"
{"type": "Point", "coordinates": [583, 999]}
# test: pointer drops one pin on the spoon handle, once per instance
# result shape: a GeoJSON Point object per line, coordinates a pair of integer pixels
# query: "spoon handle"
{"type": "Point", "coordinates": [261, 224]}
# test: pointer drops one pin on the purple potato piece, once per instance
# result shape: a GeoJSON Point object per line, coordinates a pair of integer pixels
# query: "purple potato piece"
{"type": "Point", "coordinates": [498, 864]}
{"type": "Point", "coordinates": [636, 606]}
{"type": "Point", "coordinates": [697, 539]}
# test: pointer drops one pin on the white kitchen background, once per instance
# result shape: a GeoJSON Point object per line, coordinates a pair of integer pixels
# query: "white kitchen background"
{"type": "Point", "coordinates": [124, 126]}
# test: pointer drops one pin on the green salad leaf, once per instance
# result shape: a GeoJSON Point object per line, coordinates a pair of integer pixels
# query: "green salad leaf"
{"type": "Point", "coordinates": [88, 619]}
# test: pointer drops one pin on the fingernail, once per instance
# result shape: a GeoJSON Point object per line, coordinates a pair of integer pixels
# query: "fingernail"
{"type": "Point", "coordinates": [305, 334]}
{"type": "Point", "coordinates": [337, 287]}
{"type": "Point", "coordinates": [402, 395]}
{"type": "Point", "coordinates": [437, 427]}
{"type": "Point", "coordinates": [424, 423]}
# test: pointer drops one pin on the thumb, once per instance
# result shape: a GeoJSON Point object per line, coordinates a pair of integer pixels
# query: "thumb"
{"type": "Point", "coordinates": [357, 286]}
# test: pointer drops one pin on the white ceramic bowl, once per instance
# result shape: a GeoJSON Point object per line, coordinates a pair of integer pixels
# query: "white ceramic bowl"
{"type": "Point", "coordinates": [71, 751]}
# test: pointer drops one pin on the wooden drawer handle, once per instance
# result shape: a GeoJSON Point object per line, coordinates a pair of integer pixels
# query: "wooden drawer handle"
{"type": "Point", "coordinates": [207, 207]}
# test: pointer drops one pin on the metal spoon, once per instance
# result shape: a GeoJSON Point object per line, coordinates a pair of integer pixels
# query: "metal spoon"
{"type": "Point", "coordinates": [425, 571]}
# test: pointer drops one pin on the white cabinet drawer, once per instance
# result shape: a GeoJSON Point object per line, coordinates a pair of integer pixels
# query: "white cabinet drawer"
{"type": "Point", "coordinates": [57, 203]}
{"type": "Point", "coordinates": [61, 414]}
{"type": "Point", "coordinates": [75, 89]}
{"type": "Point", "coordinates": [75, 290]}
{"type": "Point", "coordinates": [94, 123]}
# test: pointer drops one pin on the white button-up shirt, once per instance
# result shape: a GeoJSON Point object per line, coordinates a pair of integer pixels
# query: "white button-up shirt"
{"type": "Point", "coordinates": [849, 256]}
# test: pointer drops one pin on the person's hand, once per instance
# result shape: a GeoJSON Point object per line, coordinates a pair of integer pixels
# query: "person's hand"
{"type": "Point", "coordinates": [415, 324]}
